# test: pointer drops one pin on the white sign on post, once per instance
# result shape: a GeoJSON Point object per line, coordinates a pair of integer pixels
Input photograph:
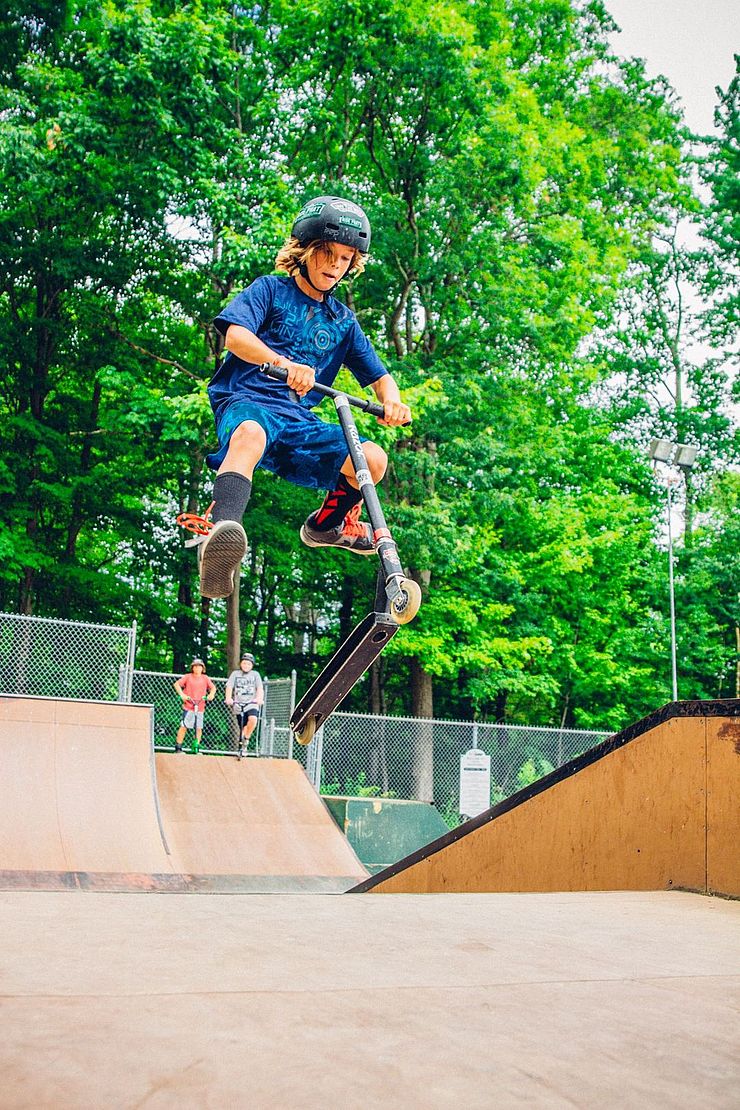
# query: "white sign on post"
{"type": "Point", "coordinates": [475, 782]}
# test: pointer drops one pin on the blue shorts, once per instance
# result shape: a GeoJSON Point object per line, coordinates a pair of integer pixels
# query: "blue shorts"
{"type": "Point", "coordinates": [306, 451]}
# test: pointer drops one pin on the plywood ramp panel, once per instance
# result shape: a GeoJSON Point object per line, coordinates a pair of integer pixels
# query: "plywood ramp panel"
{"type": "Point", "coordinates": [254, 817]}
{"type": "Point", "coordinates": [78, 788]}
{"type": "Point", "coordinates": [633, 819]}
{"type": "Point", "coordinates": [723, 806]}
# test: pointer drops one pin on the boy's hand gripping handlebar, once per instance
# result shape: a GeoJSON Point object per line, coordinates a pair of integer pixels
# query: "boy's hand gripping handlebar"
{"type": "Point", "coordinates": [281, 375]}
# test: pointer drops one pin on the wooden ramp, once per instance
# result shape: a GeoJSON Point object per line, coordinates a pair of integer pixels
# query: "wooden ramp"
{"type": "Point", "coordinates": [257, 821]}
{"type": "Point", "coordinates": [652, 808]}
{"type": "Point", "coordinates": [80, 808]}
{"type": "Point", "coordinates": [78, 788]}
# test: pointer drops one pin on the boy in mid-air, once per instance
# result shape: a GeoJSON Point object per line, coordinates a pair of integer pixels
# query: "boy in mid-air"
{"type": "Point", "coordinates": [296, 323]}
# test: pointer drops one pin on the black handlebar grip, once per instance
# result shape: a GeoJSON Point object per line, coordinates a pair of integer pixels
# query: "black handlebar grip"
{"type": "Point", "coordinates": [279, 373]}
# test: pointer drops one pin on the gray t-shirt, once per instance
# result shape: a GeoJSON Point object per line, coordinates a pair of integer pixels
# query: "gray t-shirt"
{"type": "Point", "coordinates": [245, 687]}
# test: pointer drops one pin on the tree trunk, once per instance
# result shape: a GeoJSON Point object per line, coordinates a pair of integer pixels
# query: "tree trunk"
{"type": "Point", "coordinates": [47, 315]}
{"type": "Point", "coordinates": [422, 704]}
{"type": "Point", "coordinates": [186, 621]}
{"type": "Point", "coordinates": [377, 706]}
{"type": "Point", "coordinates": [233, 628]}
{"type": "Point", "coordinates": [346, 608]}
{"type": "Point", "coordinates": [233, 654]}
{"type": "Point", "coordinates": [205, 624]}
{"type": "Point", "coordinates": [376, 702]}
{"type": "Point", "coordinates": [688, 529]}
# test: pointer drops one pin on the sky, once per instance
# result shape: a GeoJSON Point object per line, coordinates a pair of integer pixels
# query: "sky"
{"type": "Point", "coordinates": [690, 42]}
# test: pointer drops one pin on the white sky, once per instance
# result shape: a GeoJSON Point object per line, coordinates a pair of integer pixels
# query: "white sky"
{"type": "Point", "coordinates": [690, 42]}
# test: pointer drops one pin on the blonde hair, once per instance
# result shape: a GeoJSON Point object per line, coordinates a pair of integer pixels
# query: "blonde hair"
{"type": "Point", "coordinates": [292, 255]}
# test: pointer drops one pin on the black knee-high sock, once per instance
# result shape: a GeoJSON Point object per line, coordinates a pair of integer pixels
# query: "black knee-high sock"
{"type": "Point", "coordinates": [231, 493]}
{"type": "Point", "coordinates": [336, 505]}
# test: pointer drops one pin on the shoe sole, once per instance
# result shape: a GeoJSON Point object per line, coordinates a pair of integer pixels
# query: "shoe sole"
{"type": "Point", "coordinates": [223, 552]}
{"type": "Point", "coordinates": [309, 542]}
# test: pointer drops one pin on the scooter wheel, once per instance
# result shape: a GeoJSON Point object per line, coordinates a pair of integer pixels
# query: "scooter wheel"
{"type": "Point", "coordinates": [405, 607]}
{"type": "Point", "coordinates": [305, 735]}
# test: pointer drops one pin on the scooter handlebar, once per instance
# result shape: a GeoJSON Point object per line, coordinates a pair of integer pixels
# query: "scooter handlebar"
{"type": "Point", "coordinates": [280, 374]}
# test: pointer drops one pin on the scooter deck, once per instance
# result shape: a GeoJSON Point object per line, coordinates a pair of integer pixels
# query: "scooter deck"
{"type": "Point", "coordinates": [348, 664]}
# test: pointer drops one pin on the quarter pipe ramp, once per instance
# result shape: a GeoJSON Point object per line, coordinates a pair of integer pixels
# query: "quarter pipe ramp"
{"type": "Point", "coordinates": [652, 808]}
{"type": "Point", "coordinates": [78, 788]}
{"type": "Point", "coordinates": [258, 821]}
{"type": "Point", "coordinates": [82, 807]}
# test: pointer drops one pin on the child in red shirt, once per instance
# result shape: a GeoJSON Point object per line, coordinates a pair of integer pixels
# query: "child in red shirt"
{"type": "Point", "coordinates": [195, 689]}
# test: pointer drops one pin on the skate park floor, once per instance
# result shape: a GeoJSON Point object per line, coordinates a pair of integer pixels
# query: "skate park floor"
{"type": "Point", "coordinates": [474, 1000]}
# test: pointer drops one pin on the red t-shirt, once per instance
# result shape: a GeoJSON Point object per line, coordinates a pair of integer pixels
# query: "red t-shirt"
{"type": "Point", "coordinates": [195, 687]}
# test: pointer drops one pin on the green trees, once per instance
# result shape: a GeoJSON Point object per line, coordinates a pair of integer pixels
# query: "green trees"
{"type": "Point", "coordinates": [516, 175]}
{"type": "Point", "coordinates": [722, 224]}
{"type": "Point", "coordinates": [97, 159]}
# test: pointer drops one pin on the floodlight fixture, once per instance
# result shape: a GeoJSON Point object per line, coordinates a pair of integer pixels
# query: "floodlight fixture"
{"type": "Point", "coordinates": [661, 450]}
{"type": "Point", "coordinates": [685, 455]}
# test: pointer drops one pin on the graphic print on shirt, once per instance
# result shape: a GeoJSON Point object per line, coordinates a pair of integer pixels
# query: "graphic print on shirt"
{"type": "Point", "coordinates": [245, 686]}
{"type": "Point", "coordinates": [309, 333]}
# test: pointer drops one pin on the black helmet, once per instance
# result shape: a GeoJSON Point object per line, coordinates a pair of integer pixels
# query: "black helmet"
{"type": "Point", "coordinates": [247, 656]}
{"type": "Point", "coordinates": [334, 220]}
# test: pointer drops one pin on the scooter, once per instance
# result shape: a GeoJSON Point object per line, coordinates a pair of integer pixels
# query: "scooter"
{"type": "Point", "coordinates": [397, 598]}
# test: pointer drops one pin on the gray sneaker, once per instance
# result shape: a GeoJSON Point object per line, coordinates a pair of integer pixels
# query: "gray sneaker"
{"type": "Point", "coordinates": [219, 558]}
{"type": "Point", "coordinates": [352, 534]}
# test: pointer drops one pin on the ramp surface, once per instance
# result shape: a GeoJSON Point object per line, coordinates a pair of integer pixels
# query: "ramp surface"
{"type": "Point", "coordinates": [258, 819]}
{"type": "Point", "coordinates": [511, 1001]}
{"type": "Point", "coordinates": [81, 808]}
{"type": "Point", "coordinates": [78, 788]}
{"type": "Point", "coordinates": [651, 808]}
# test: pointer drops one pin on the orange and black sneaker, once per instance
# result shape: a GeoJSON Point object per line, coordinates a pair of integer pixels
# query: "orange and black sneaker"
{"type": "Point", "coordinates": [352, 534]}
{"type": "Point", "coordinates": [221, 548]}
{"type": "Point", "coordinates": [219, 558]}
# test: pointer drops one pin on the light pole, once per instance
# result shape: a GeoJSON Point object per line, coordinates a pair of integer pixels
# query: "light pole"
{"type": "Point", "coordinates": [682, 455]}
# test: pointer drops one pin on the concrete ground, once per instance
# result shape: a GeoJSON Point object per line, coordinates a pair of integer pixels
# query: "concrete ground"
{"type": "Point", "coordinates": [531, 1000]}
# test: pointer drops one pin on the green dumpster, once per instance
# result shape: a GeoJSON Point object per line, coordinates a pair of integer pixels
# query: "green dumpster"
{"type": "Point", "coordinates": [384, 830]}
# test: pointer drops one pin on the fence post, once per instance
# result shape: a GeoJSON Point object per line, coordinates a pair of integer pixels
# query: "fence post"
{"type": "Point", "coordinates": [259, 740]}
{"type": "Point", "coordinates": [293, 678]}
{"type": "Point", "coordinates": [130, 658]}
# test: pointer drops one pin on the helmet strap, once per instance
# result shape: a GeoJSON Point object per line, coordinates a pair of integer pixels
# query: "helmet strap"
{"type": "Point", "coordinates": [303, 270]}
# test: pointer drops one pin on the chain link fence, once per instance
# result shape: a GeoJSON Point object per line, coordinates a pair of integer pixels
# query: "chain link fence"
{"type": "Point", "coordinates": [408, 757]}
{"type": "Point", "coordinates": [354, 754]}
{"type": "Point", "coordinates": [45, 656]}
{"type": "Point", "coordinates": [272, 737]}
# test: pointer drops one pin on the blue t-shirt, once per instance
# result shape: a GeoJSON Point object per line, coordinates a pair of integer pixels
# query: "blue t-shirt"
{"type": "Point", "coordinates": [322, 334]}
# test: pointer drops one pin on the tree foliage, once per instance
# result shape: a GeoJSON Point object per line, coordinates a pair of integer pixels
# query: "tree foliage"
{"type": "Point", "coordinates": [520, 180]}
